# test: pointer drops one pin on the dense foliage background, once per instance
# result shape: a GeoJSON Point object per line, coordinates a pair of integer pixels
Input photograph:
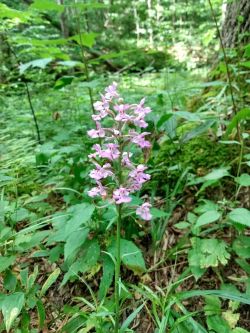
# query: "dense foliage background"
{"type": "Point", "coordinates": [189, 270]}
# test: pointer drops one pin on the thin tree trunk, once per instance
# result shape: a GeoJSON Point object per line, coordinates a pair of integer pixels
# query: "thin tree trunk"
{"type": "Point", "coordinates": [64, 21]}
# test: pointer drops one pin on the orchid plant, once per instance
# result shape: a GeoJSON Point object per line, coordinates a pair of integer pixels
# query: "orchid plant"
{"type": "Point", "coordinates": [116, 174]}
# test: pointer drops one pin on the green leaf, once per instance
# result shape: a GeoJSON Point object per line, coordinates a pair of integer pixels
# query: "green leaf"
{"type": "Point", "coordinates": [241, 216]}
{"type": "Point", "coordinates": [10, 281]}
{"type": "Point", "coordinates": [63, 82]}
{"type": "Point", "coordinates": [158, 213]}
{"type": "Point", "coordinates": [41, 313]}
{"type": "Point", "coordinates": [40, 63]}
{"type": "Point", "coordinates": [241, 246]}
{"type": "Point", "coordinates": [218, 324]}
{"type": "Point", "coordinates": [75, 240]}
{"type": "Point", "coordinates": [243, 180]}
{"type": "Point", "coordinates": [163, 119]}
{"type": "Point", "coordinates": [182, 225]}
{"type": "Point", "coordinates": [50, 280]}
{"type": "Point", "coordinates": [200, 129]}
{"type": "Point", "coordinates": [208, 217]}
{"type": "Point", "coordinates": [80, 214]}
{"type": "Point", "coordinates": [239, 330]}
{"type": "Point", "coordinates": [85, 39]}
{"type": "Point", "coordinates": [216, 174]}
{"type": "Point", "coordinates": [242, 298]}
{"type": "Point", "coordinates": [107, 276]}
{"type": "Point", "coordinates": [11, 307]}
{"type": "Point", "coordinates": [245, 64]}
{"type": "Point", "coordinates": [5, 262]}
{"type": "Point", "coordinates": [88, 259]}
{"type": "Point", "coordinates": [213, 252]}
{"type": "Point", "coordinates": [188, 115]}
{"type": "Point", "coordinates": [47, 5]}
{"type": "Point", "coordinates": [7, 12]}
{"type": "Point", "coordinates": [130, 319]}
{"type": "Point", "coordinates": [213, 305]}
{"type": "Point", "coordinates": [241, 115]}
{"type": "Point", "coordinates": [131, 256]}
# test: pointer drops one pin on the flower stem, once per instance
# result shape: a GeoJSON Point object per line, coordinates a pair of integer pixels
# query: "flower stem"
{"type": "Point", "coordinates": [117, 268]}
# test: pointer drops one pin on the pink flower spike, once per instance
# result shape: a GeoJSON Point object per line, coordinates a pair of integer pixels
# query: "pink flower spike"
{"type": "Point", "coordinates": [121, 195]}
{"type": "Point", "coordinates": [144, 212]}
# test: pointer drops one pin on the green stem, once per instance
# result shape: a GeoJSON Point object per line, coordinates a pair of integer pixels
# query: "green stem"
{"type": "Point", "coordinates": [117, 268]}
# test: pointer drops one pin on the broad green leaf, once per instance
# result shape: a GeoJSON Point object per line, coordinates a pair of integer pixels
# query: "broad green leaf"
{"type": "Point", "coordinates": [80, 214]}
{"type": "Point", "coordinates": [216, 174]}
{"type": "Point", "coordinates": [10, 13]}
{"type": "Point", "coordinates": [163, 119]}
{"type": "Point", "coordinates": [11, 307]}
{"type": "Point", "coordinates": [245, 64]}
{"type": "Point", "coordinates": [241, 216]}
{"type": "Point", "coordinates": [85, 39]}
{"type": "Point", "coordinates": [75, 240]}
{"type": "Point", "coordinates": [188, 115]}
{"type": "Point", "coordinates": [40, 63]}
{"type": "Point", "coordinates": [10, 281]}
{"type": "Point", "coordinates": [50, 280]}
{"type": "Point", "coordinates": [5, 262]}
{"type": "Point", "coordinates": [200, 129]}
{"type": "Point", "coordinates": [213, 252]}
{"type": "Point", "coordinates": [213, 305]}
{"type": "Point", "coordinates": [47, 5]}
{"type": "Point", "coordinates": [239, 330]}
{"type": "Point", "coordinates": [63, 81]}
{"type": "Point", "coordinates": [194, 257]}
{"type": "Point", "coordinates": [88, 259]}
{"type": "Point", "coordinates": [41, 313]}
{"type": "Point", "coordinates": [208, 217]}
{"type": "Point", "coordinates": [243, 180]}
{"type": "Point", "coordinates": [131, 256]}
{"type": "Point", "coordinates": [241, 115]}
{"type": "Point", "coordinates": [241, 246]}
{"type": "Point", "coordinates": [182, 225]}
{"type": "Point", "coordinates": [158, 213]}
{"type": "Point", "coordinates": [107, 276]}
{"type": "Point", "coordinates": [217, 324]}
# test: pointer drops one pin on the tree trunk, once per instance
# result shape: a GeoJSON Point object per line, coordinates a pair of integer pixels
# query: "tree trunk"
{"type": "Point", "coordinates": [64, 21]}
{"type": "Point", "coordinates": [236, 26]}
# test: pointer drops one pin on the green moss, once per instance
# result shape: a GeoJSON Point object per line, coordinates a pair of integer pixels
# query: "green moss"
{"type": "Point", "coordinates": [200, 154]}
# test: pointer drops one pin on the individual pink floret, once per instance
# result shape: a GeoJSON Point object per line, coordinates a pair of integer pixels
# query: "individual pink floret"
{"type": "Point", "coordinates": [139, 139]}
{"type": "Point", "coordinates": [97, 133]}
{"type": "Point", "coordinates": [101, 171]}
{"type": "Point", "coordinates": [121, 195]}
{"type": "Point", "coordinates": [144, 211]}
